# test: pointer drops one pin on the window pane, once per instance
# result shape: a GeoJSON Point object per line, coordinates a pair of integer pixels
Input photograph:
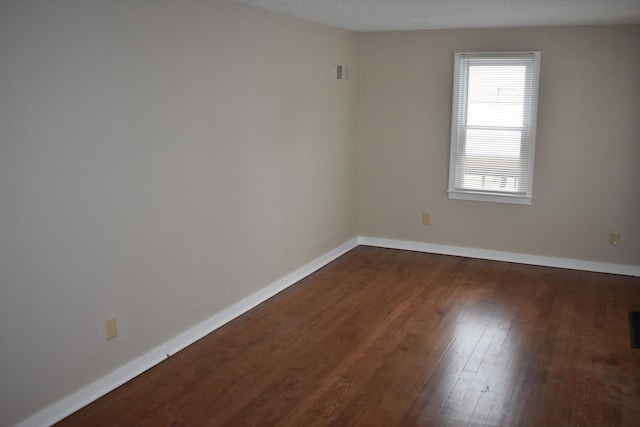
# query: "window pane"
{"type": "Point", "coordinates": [496, 95]}
{"type": "Point", "coordinates": [493, 126]}
{"type": "Point", "coordinates": [491, 183]}
{"type": "Point", "coordinates": [492, 160]}
{"type": "Point", "coordinates": [493, 142]}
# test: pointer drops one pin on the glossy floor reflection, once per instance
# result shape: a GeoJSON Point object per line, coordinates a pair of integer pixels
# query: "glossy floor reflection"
{"type": "Point", "coordinates": [384, 337]}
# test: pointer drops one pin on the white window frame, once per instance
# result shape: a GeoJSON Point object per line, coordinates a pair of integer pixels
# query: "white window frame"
{"type": "Point", "coordinates": [525, 196]}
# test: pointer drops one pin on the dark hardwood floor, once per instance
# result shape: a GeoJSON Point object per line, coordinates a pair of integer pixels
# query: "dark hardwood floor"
{"type": "Point", "coordinates": [384, 337]}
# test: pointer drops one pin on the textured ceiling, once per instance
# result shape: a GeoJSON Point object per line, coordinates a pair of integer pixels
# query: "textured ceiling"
{"type": "Point", "coordinates": [389, 15]}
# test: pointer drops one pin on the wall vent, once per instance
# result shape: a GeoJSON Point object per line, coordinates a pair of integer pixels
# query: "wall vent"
{"type": "Point", "coordinates": [342, 72]}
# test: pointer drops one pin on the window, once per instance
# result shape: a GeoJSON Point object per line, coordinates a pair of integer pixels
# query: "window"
{"type": "Point", "coordinates": [493, 126]}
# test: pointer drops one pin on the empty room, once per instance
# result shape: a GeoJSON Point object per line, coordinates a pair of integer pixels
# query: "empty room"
{"type": "Point", "coordinates": [319, 212]}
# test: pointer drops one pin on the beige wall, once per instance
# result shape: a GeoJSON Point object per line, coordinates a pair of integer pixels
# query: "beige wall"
{"type": "Point", "coordinates": [159, 161]}
{"type": "Point", "coordinates": [587, 150]}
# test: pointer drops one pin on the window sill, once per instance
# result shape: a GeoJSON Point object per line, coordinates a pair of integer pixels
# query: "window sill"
{"type": "Point", "coordinates": [490, 197]}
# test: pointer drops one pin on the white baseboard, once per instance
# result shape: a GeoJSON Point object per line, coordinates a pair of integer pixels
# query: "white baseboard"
{"type": "Point", "coordinates": [83, 397]}
{"type": "Point", "coordinates": [572, 264]}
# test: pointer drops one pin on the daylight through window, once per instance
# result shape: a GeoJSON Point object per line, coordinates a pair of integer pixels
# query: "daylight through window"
{"type": "Point", "coordinates": [493, 126]}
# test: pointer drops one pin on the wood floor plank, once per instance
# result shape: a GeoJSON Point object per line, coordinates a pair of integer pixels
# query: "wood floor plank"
{"type": "Point", "coordinates": [536, 326]}
{"type": "Point", "coordinates": [467, 326]}
{"type": "Point", "coordinates": [308, 349]}
{"type": "Point", "coordinates": [555, 377]}
{"type": "Point", "coordinates": [389, 391]}
{"type": "Point", "coordinates": [357, 332]}
{"type": "Point", "coordinates": [421, 314]}
{"type": "Point", "coordinates": [389, 337]}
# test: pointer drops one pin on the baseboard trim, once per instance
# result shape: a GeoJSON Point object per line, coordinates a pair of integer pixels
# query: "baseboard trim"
{"type": "Point", "coordinates": [571, 264]}
{"type": "Point", "coordinates": [83, 397]}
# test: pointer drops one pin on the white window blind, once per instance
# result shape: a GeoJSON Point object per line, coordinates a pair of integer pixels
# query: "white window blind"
{"type": "Point", "coordinates": [493, 126]}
